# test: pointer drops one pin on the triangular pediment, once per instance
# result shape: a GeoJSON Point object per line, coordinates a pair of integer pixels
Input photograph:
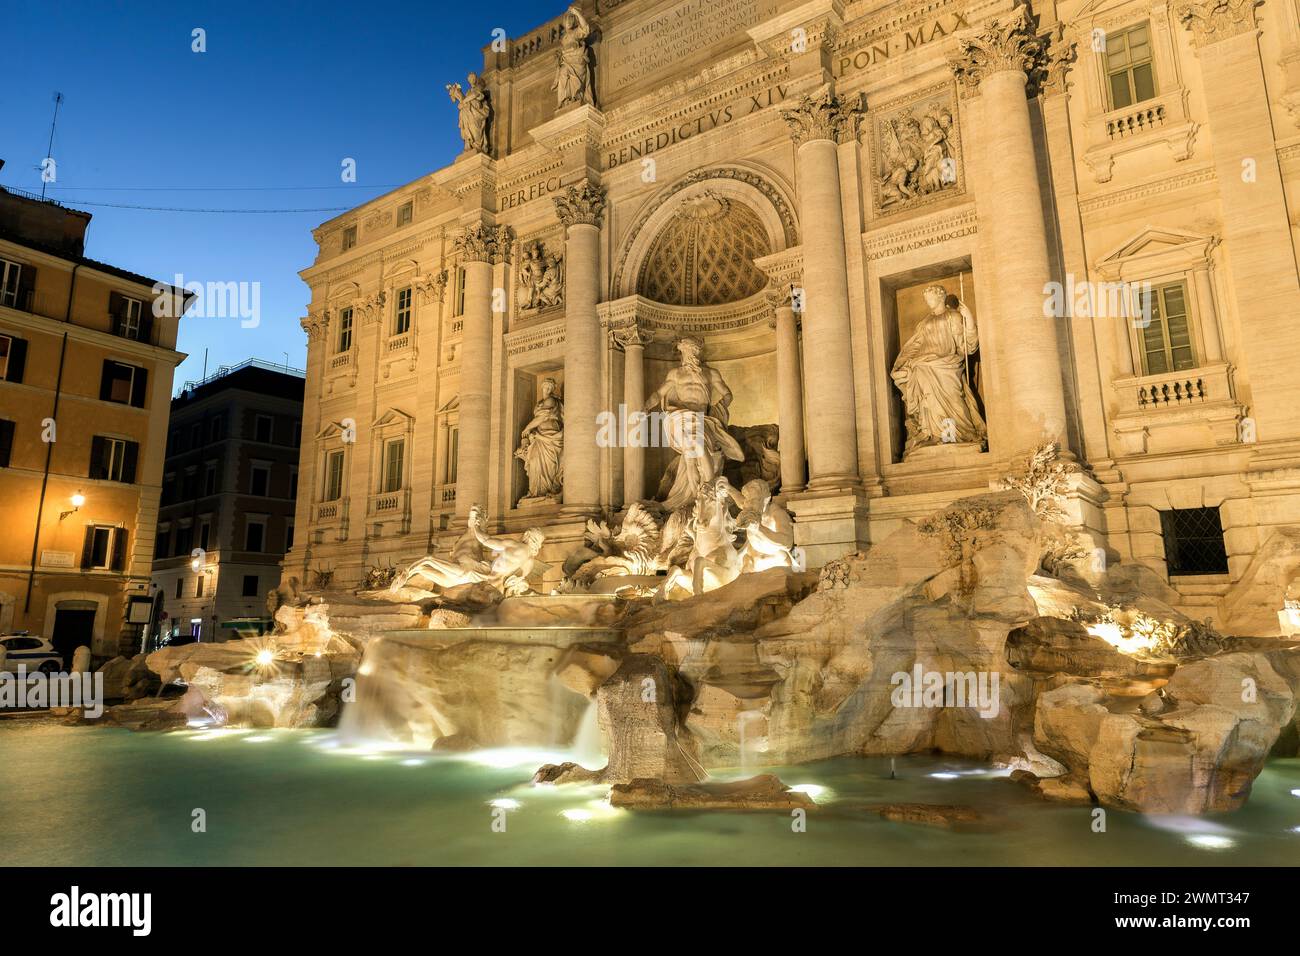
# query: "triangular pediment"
{"type": "Point", "coordinates": [394, 416]}
{"type": "Point", "coordinates": [1152, 241]}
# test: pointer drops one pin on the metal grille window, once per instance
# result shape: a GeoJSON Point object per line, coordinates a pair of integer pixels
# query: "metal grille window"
{"type": "Point", "coordinates": [1130, 72]}
{"type": "Point", "coordinates": [1194, 541]}
{"type": "Point", "coordinates": [1167, 337]}
{"type": "Point", "coordinates": [402, 311]}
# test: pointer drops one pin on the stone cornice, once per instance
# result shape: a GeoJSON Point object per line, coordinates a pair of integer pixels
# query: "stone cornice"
{"type": "Point", "coordinates": [883, 243]}
{"type": "Point", "coordinates": [822, 115]}
{"type": "Point", "coordinates": [1159, 187]}
{"type": "Point", "coordinates": [1212, 20]}
{"type": "Point", "coordinates": [582, 204]}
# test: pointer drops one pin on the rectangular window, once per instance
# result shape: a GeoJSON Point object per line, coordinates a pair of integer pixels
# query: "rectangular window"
{"type": "Point", "coordinates": [288, 536]}
{"type": "Point", "coordinates": [1130, 72]}
{"type": "Point", "coordinates": [198, 585]}
{"type": "Point", "coordinates": [394, 455]}
{"type": "Point", "coordinates": [297, 434]}
{"type": "Point", "coordinates": [217, 429]}
{"type": "Point", "coordinates": [259, 480]}
{"type": "Point", "coordinates": [10, 273]}
{"type": "Point", "coordinates": [405, 213]}
{"type": "Point", "coordinates": [13, 358]}
{"type": "Point", "coordinates": [162, 542]}
{"type": "Point", "coordinates": [113, 459]}
{"type": "Point", "coordinates": [180, 586]}
{"type": "Point", "coordinates": [122, 383]}
{"type": "Point", "coordinates": [263, 427]}
{"type": "Point", "coordinates": [402, 311]}
{"type": "Point", "coordinates": [210, 480]}
{"type": "Point", "coordinates": [196, 435]}
{"type": "Point", "coordinates": [104, 548]}
{"type": "Point", "coordinates": [458, 298]}
{"type": "Point", "coordinates": [250, 585]}
{"type": "Point", "coordinates": [255, 534]}
{"type": "Point", "coordinates": [6, 442]}
{"type": "Point", "coordinates": [184, 541]}
{"type": "Point", "coordinates": [1167, 338]}
{"type": "Point", "coordinates": [293, 482]}
{"type": "Point", "coordinates": [349, 238]}
{"type": "Point", "coordinates": [345, 329]}
{"type": "Point", "coordinates": [129, 319]}
{"type": "Point", "coordinates": [333, 490]}
{"type": "Point", "coordinates": [1194, 541]}
{"type": "Point", "coordinates": [453, 453]}
{"type": "Point", "coordinates": [205, 533]}
{"type": "Point", "coordinates": [190, 484]}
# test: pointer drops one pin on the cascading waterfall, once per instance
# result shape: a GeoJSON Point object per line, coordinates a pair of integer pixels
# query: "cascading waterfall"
{"type": "Point", "coordinates": [588, 745]}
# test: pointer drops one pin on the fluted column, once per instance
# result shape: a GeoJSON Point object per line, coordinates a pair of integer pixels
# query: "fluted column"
{"type": "Point", "coordinates": [818, 124]}
{"type": "Point", "coordinates": [633, 340]}
{"type": "Point", "coordinates": [789, 391]}
{"type": "Point", "coordinates": [994, 63]}
{"type": "Point", "coordinates": [479, 247]}
{"type": "Point", "coordinates": [581, 209]}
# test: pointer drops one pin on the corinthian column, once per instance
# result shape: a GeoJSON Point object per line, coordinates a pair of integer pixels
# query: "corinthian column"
{"type": "Point", "coordinates": [480, 247]}
{"type": "Point", "coordinates": [818, 124]}
{"type": "Point", "coordinates": [789, 390]}
{"type": "Point", "coordinates": [581, 209]}
{"type": "Point", "coordinates": [1254, 210]}
{"type": "Point", "coordinates": [994, 63]}
{"type": "Point", "coordinates": [633, 340]}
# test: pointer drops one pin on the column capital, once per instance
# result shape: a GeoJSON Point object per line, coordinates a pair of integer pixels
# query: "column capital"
{"type": "Point", "coordinates": [1002, 44]}
{"type": "Point", "coordinates": [1061, 57]}
{"type": "Point", "coordinates": [432, 287]}
{"type": "Point", "coordinates": [781, 295]}
{"type": "Point", "coordinates": [630, 335]}
{"type": "Point", "coordinates": [582, 204]}
{"type": "Point", "coordinates": [315, 324]}
{"type": "Point", "coordinates": [823, 115]}
{"type": "Point", "coordinates": [1212, 20]}
{"type": "Point", "coordinates": [484, 243]}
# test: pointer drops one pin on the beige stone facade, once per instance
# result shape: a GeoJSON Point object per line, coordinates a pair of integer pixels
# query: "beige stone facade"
{"type": "Point", "coordinates": [1106, 188]}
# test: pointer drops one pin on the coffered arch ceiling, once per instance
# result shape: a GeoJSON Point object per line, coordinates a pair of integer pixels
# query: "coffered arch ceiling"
{"type": "Point", "coordinates": [704, 254]}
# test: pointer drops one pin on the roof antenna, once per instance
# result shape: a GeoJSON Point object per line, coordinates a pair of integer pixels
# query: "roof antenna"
{"type": "Point", "coordinates": [48, 164]}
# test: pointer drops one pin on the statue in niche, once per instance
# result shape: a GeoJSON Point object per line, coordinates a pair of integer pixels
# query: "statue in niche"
{"type": "Point", "coordinates": [917, 156]}
{"type": "Point", "coordinates": [573, 76]}
{"type": "Point", "coordinates": [506, 566]}
{"type": "Point", "coordinates": [694, 402]}
{"type": "Point", "coordinates": [541, 446]}
{"type": "Point", "coordinates": [541, 278]}
{"type": "Point", "coordinates": [475, 112]}
{"type": "Point", "coordinates": [933, 371]}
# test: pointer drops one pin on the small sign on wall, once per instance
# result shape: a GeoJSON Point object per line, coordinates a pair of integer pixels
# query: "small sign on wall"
{"type": "Point", "coordinates": [57, 559]}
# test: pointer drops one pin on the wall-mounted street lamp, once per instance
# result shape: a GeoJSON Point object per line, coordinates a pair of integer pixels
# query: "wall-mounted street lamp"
{"type": "Point", "coordinates": [77, 501]}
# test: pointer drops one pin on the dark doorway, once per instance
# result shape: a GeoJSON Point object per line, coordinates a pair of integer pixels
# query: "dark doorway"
{"type": "Point", "coordinates": [73, 628]}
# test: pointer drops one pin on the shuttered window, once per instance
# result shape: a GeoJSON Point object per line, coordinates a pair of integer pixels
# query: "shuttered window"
{"type": "Point", "coordinates": [1167, 337]}
{"type": "Point", "coordinates": [122, 383]}
{"type": "Point", "coordinates": [113, 459]}
{"type": "Point", "coordinates": [13, 358]}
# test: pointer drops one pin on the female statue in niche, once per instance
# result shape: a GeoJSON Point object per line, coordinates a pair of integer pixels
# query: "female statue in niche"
{"type": "Point", "coordinates": [573, 62]}
{"type": "Point", "coordinates": [541, 445]}
{"type": "Point", "coordinates": [933, 373]}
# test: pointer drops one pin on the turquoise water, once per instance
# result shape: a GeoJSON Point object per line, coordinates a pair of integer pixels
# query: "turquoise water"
{"type": "Point", "coordinates": [98, 796]}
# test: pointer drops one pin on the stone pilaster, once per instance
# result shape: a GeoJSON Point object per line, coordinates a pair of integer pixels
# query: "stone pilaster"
{"type": "Point", "coordinates": [996, 62]}
{"type": "Point", "coordinates": [818, 124]}
{"type": "Point", "coordinates": [789, 390]}
{"type": "Point", "coordinates": [582, 209]}
{"type": "Point", "coordinates": [480, 247]}
{"type": "Point", "coordinates": [632, 340]}
{"type": "Point", "coordinates": [1254, 209]}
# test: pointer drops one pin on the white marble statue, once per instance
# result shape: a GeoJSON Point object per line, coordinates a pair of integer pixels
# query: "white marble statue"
{"type": "Point", "coordinates": [508, 565]}
{"type": "Point", "coordinates": [714, 559]}
{"type": "Point", "coordinates": [541, 445]}
{"type": "Point", "coordinates": [768, 528]}
{"type": "Point", "coordinates": [933, 373]}
{"type": "Point", "coordinates": [695, 403]}
{"type": "Point", "coordinates": [573, 76]}
{"type": "Point", "coordinates": [540, 278]}
{"type": "Point", "coordinates": [475, 112]}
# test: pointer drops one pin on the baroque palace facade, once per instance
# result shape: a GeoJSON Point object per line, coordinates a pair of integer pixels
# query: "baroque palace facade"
{"type": "Point", "coordinates": [916, 239]}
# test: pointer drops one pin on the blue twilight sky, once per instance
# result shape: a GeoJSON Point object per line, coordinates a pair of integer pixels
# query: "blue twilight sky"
{"type": "Point", "coordinates": [285, 92]}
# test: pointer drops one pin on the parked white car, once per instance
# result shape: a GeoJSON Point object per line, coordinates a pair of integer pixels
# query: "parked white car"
{"type": "Point", "coordinates": [32, 653]}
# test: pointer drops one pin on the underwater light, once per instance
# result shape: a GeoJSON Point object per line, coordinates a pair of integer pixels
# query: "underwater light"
{"type": "Point", "coordinates": [1296, 792]}
{"type": "Point", "coordinates": [813, 790]}
{"type": "Point", "coordinates": [505, 803]}
{"type": "Point", "coordinates": [413, 762]}
{"type": "Point", "coordinates": [259, 739]}
{"type": "Point", "coordinates": [1210, 841]}
{"type": "Point", "coordinates": [577, 815]}
{"type": "Point", "coordinates": [945, 775]}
